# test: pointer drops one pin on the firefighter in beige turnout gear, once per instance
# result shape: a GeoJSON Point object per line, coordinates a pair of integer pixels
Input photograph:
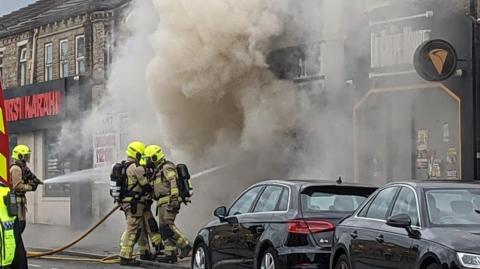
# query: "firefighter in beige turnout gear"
{"type": "Point", "coordinates": [150, 231]}
{"type": "Point", "coordinates": [166, 193]}
{"type": "Point", "coordinates": [133, 203]}
{"type": "Point", "coordinates": [23, 181]}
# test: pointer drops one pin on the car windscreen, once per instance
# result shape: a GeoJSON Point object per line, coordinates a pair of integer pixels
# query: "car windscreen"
{"type": "Point", "coordinates": [453, 207]}
{"type": "Point", "coordinates": [334, 198]}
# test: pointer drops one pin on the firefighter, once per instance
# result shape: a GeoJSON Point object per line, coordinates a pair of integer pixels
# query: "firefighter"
{"type": "Point", "coordinates": [133, 202]}
{"type": "Point", "coordinates": [166, 192]}
{"type": "Point", "coordinates": [23, 180]}
{"type": "Point", "coordinates": [12, 253]}
{"type": "Point", "coordinates": [149, 226]}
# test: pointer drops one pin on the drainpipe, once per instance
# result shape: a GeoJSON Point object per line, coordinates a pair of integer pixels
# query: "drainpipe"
{"type": "Point", "coordinates": [34, 55]}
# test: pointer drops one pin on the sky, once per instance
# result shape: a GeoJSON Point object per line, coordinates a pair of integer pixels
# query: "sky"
{"type": "Point", "coordinates": [7, 6]}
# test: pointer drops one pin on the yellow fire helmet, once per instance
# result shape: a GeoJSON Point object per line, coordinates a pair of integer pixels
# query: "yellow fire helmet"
{"type": "Point", "coordinates": [135, 150]}
{"type": "Point", "coordinates": [154, 153]}
{"type": "Point", "coordinates": [21, 153]}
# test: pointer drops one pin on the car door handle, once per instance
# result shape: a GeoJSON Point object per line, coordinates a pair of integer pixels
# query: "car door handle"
{"type": "Point", "coordinates": [235, 228]}
{"type": "Point", "coordinates": [260, 229]}
{"type": "Point", "coordinates": [354, 234]}
{"type": "Point", "coordinates": [380, 239]}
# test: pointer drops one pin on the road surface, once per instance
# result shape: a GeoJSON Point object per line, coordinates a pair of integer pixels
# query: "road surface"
{"type": "Point", "coordinates": [50, 264]}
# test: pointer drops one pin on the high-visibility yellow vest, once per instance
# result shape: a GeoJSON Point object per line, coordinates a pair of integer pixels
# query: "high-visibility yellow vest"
{"type": "Point", "coordinates": [7, 234]}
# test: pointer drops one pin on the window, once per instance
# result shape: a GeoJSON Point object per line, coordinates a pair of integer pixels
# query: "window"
{"type": "Point", "coordinates": [64, 58]}
{"type": "Point", "coordinates": [406, 203]}
{"type": "Point", "coordinates": [48, 62]}
{"type": "Point", "coordinates": [22, 66]}
{"type": "Point", "coordinates": [58, 163]}
{"type": "Point", "coordinates": [453, 207]}
{"type": "Point", "coordinates": [269, 199]}
{"type": "Point", "coordinates": [283, 205]}
{"type": "Point", "coordinates": [244, 203]}
{"type": "Point", "coordinates": [80, 64]}
{"type": "Point", "coordinates": [379, 206]}
{"type": "Point", "coordinates": [1, 65]}
{"type": "Point", "coordinates": [327, 201]}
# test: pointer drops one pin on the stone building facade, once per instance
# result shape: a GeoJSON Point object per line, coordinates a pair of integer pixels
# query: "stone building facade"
{"type": "Point", "coordinates": [55, 48]}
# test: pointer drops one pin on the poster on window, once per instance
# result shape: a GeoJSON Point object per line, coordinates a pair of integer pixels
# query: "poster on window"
{"type": "Point", "coordinates": [434, 166]}
{"type": "Point", "coordinates": [104, 149]}
{"type": "Point", "coordinates": [422, 149]}
{"type": "Point", "coordinates": [451, 163]}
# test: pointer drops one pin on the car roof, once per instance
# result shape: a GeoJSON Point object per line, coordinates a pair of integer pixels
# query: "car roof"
{"type": "Point", "coordinates": [306, 183]}
{"type": "Point", "coordinates": [439, 184]}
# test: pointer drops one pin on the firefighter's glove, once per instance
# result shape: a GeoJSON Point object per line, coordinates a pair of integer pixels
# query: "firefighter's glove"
{"type": "Point", "coordinates": [34, 186]}
{"type": "Point", "coordinates": [147, 189]}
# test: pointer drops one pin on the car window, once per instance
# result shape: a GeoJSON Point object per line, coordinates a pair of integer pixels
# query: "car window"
{"type": "Point", "coordinates": [283, 204]}
{"type": "Point", "coordinates": [379, 206]}
{"type": "Point", "coordinates": [333, 198]}
{"type": "Point", "coordinates": [245, 202]}
{"type": "Point", "coordinates": [453, 207]}
{"type": "Point", "coordinates": [269, 199]}
{"type": "Point", "coordinates": [406, 203]}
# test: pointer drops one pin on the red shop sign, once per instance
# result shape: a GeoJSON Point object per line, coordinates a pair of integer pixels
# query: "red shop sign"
{"type": "Point", "coordinates": [34, 106]}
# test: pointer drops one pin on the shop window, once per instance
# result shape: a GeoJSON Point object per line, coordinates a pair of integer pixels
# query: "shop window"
{"type": "Point", "coordinates": [22, 66]}
{"type": "Point", "coordinates": [80, 59]}
{"type": "Point", "coordinates": [58, 163]}
{"type": "Point", "coordinates": [48, 62]}
{"type": "Point", "coordinates": [1, 65]}
{"type": "Point", "coordinates": [63, 58]}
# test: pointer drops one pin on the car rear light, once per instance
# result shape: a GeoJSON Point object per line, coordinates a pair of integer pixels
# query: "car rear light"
{"type": "Point", "coordinates": [309, 226]}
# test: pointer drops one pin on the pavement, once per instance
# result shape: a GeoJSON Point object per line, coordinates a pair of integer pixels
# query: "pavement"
{"type": "Point", "coordinates": [101, 242]}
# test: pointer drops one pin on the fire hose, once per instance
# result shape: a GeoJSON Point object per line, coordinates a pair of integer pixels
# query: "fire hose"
{"type": "Point", "coordinates": [108, 260]}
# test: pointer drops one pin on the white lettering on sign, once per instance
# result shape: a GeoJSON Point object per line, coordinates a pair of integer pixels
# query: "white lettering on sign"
{"type": "Point", "coordinates": [390, 49]}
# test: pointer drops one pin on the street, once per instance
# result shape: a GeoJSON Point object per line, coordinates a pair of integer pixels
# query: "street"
{"type": "Point", "coordinates": [52, 264]}
{"type": "Point", "coordinates": [59, 264]}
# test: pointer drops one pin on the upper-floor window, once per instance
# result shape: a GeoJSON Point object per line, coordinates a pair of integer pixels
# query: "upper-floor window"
{"type": "Point", "coordinates": [22, 65]}
{"type": "Point", "coordinates": [80, 59]}
{"type": "Point", "coordinates": [1, 65]}
{"type": "Point", "coordinates": [63, 58]}
{"type": "Point", "coordinates": [48, 62]}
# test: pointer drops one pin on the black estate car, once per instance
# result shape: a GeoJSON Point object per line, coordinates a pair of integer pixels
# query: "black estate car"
{"type": "Point", "coordinates": [424, 225]}
{"type": "Point", "coordinates": [277, 224]}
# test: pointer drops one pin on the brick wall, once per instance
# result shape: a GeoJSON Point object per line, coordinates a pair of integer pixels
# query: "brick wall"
{"type": "Point", "coordinates": [95, 27]}
{"type": "Point", "coordinates": [11, 52]}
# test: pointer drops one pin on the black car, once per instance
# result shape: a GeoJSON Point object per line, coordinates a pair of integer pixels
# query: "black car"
{"type": "Point", "coordinates": [424, 225]}
{"type": "Point", "coordinates": [277, 224]}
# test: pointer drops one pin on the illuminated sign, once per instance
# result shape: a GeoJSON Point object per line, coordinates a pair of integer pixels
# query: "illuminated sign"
{"type": "Point", "coordinates": [435, 60]}
{"type": "Point", "coordinates": [34, 106]}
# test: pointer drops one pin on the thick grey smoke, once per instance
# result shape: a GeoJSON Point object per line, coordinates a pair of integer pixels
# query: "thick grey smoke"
{"type": "Point", "coordinates": [209, 76]}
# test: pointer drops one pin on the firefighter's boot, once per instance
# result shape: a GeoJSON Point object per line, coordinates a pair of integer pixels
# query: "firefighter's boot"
{"type": "Point", "coordinates": [168, 259]}
{"type": "Point", "coordinates": [129, 262]}
{"type": "Point", "coordinates": [159, 250]}
{"type": "Point", "coordinates": [148, 256]}
{"type": "Point", "coordinates": [185, 252]}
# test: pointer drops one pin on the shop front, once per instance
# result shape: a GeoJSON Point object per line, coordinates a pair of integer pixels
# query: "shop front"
{"type": "Point", "coordinates": [38, 116]}
{"type": "Point", "coordinates": [406, 127]}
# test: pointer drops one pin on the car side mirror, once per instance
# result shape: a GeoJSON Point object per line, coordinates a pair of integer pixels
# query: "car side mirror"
{"type": "Point", "coordinates": [220, 213]}
{"type": "Point", "coordinates": [403, 221]}
{"type": "Point", "coordinates": [399, 221]}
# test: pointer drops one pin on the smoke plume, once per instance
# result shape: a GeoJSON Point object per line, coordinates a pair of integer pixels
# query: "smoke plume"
{"type": "Point", "coordinates": [210, 80]}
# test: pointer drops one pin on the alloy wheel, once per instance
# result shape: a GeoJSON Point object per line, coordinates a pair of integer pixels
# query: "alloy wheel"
{"type": "Point", "coordinates": [343, 265]}
{"type": "Point", "coordinates": [268, 261]}
{"type": "Point", "coordinates": [200, 259]}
